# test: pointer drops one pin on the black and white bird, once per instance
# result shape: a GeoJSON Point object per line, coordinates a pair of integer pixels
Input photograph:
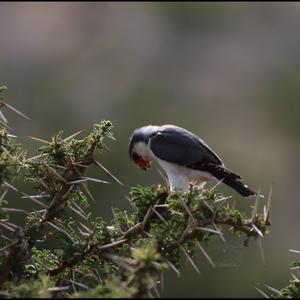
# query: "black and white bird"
{"type": "Point", "coordinates": [184, 157]}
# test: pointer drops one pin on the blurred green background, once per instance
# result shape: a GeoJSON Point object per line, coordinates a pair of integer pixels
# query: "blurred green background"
{"type": "Point", "coordinates": [227, 71]}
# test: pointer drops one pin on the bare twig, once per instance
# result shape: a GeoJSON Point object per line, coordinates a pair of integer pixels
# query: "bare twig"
{"type": "Point", "coordinates": [107, 172]}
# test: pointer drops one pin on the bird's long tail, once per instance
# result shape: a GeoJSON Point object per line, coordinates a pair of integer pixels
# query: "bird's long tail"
{"type": "Point", "coordinates": [231, 179]}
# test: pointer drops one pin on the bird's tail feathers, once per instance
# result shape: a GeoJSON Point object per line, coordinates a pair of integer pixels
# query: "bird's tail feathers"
{"type": "Point", "coordinates": [231, 179]}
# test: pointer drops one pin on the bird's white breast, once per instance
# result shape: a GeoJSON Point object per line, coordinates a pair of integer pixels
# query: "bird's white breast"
{"type": "Point", "coordinates": [180, 177]}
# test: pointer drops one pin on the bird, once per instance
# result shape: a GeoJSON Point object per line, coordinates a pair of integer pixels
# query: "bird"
{"type": "Point", "coordinates": [184, 156]}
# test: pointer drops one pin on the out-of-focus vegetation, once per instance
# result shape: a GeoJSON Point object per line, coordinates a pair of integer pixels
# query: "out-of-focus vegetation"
{"type": "Point", "coordinates": [226, 71]}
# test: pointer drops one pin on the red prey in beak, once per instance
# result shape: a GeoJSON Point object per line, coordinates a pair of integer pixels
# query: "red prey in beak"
{"type": "Point", "coordinates": [142, 163]}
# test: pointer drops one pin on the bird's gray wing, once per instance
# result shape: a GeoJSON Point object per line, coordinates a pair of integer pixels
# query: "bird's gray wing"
{"type": "Point", "coordinates": [179, 146]}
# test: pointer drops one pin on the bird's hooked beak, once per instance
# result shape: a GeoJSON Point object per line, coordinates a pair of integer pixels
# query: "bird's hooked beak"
{"type": "Point", "coordinates": [144, 164]}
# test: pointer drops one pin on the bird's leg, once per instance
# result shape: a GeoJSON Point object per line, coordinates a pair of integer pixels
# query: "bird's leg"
{"type": "Point", "coordinates": [178, 183]}
{"type": "Point", "coordinates": [199, 184]}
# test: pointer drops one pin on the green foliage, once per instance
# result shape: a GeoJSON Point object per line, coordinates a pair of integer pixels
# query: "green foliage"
{"type": "Point", "coordinates": [9, 152]}
{"type": "Point", "coordinates": [64, 250]}
{"type": "Point", "coordinates": [40, 287]}
{"type": "Point", "coordinates": [292, 290]}
{"type": "Point", "coordinates": [143, 198]}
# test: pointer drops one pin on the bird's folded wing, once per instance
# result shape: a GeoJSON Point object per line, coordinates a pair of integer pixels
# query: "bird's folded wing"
{"type": "Point", "coordinates": [181, 147]}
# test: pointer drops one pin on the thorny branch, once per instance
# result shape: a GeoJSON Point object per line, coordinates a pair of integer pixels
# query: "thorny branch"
{"type": "Point", "coordinates": [123, 258]}
{"type": "Point", "coordinates": [58, 182]}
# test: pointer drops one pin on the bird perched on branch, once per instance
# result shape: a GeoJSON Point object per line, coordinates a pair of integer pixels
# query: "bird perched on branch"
{"type": "Point", "coordinates": [184, 157]}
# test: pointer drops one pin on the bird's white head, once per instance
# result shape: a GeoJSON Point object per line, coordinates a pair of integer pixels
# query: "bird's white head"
{"type": "Point", "coordinates": [138, 146]}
